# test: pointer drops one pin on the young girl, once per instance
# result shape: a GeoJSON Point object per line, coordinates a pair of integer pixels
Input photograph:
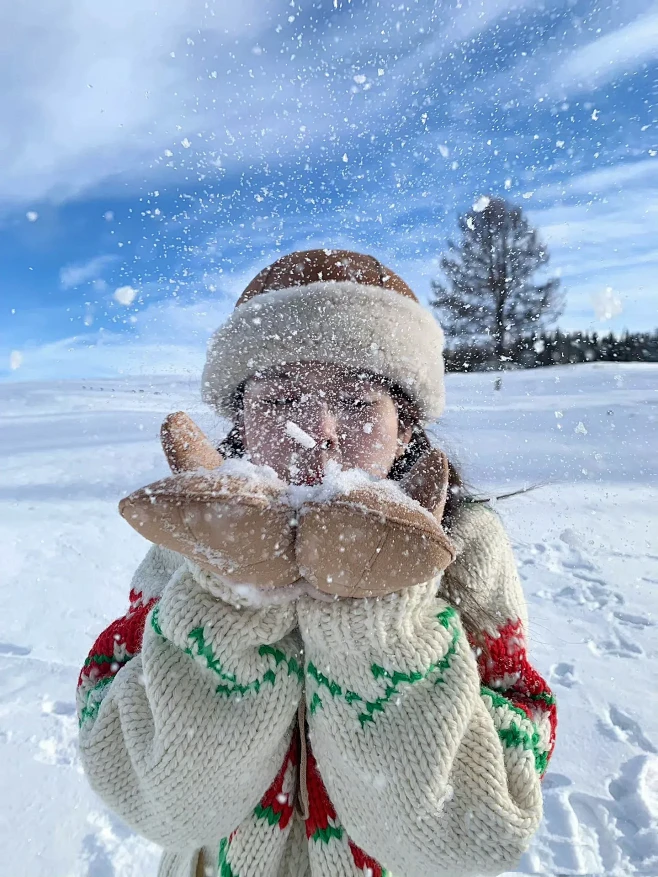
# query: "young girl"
{"type": "Point", "coordinates": [299, 734]}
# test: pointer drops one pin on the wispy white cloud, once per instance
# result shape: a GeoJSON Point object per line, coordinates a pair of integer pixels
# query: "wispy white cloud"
{"type": "Point", "coordinates": [605, 242]}
{"type": "Point", "coordinates": [71, 276]}
{"type": "Point", "coordinates": [631, 173]}
{"type": "Point", "coordinates": [99, 91]}
{"type": "Point", "coordinates": [622, 223]}
{"type": "Point", "coordinates": [601, 61]}
{"type": "Point", "coordinates": [571, 62]}
{"type": "Point", "coordinates": [638, 178]}
{"type": "Point", "coordinates": [99, 88]}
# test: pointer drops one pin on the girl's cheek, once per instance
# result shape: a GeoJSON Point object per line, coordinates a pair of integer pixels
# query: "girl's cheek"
{"type": "Point", "coordinates": [268, 446]}
{"type": "Point", "coordinates": [366, 440]}
{"type": "Point", "coordinates": [356, 433]}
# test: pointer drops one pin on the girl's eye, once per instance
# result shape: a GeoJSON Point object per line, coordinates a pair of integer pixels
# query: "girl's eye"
{"type": "Point", "coordinates": [281, 403]}
{"type": "Point", "coordinates": [356, 404]}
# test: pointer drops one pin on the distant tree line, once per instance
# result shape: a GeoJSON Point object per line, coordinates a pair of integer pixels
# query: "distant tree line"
{"type": "Point", "coordinates": [556, 348]}
{"type": "Point", "coordinates": [496, 315]}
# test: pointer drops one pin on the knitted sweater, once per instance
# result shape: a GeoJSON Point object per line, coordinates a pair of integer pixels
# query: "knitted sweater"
{"type": "Point", "coordinates": [416, 757]}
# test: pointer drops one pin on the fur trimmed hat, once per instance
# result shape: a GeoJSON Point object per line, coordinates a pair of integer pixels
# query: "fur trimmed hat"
{"type": "Point", "coordinates": [330, 306]}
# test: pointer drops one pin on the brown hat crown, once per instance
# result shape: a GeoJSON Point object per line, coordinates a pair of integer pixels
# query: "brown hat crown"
{"type": "Point", "coordinates": [310, 266]}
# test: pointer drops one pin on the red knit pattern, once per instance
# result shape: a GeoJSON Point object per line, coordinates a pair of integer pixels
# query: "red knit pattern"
{"type": "Point", "coordinates": [321, 811]}
{"type": "Point", "coordinates": [362, 861]}
{"type": "Point", "coordinates": [119, 642]}
{"type": "Point", "coordinates": [273, 799]}
{"type": "Point", "coordinates": [504, 667]}
{"type": "Point", "coordinates": [320, 808]}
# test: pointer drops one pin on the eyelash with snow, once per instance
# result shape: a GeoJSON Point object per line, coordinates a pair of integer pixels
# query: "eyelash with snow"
{"type": "Point", "coordinates": [347, 403]}
{"type": "Point", "coordinates": [356, 403]}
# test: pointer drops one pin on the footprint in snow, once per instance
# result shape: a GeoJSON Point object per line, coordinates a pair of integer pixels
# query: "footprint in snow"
{"type": "Point", "coordinates": [620, 726]}
{"type": "Point", "coordinates": [589, 592]}
{"type": "Point", "coordinates": [635, 795]}
{"type": "Point", "coordinates": [597, 833]}
{"type": "Point", "coordinates": [564, 674]}
{"type": "Point", "coordinates": [587, 834]}
{"type": "Point", "coordinates": [639, 621]}
{"type": "Point", "coordinates": [575, 839]}
{"type": "Point", "coordinates": [61, 747]}
{"type": "Point", "coordinates": [618, 646]}
{"type": "Point", "coordinates": [554, 780]}
{"type": "Point", "coordinates": [14, 651]}
{"type": "Point", "coordinates": [110, 848]}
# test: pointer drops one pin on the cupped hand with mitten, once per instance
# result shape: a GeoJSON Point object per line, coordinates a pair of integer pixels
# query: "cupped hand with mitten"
{"type": "Point", "coordinates": [378, 538]}
{"type": "Point", "coordinates": [245, 525]}
{"type": "Point", "coordinates": [233, 524]}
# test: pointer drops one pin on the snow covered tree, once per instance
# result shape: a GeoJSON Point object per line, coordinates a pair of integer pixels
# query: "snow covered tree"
{"type": "Point", "coordinates": [490, 299]}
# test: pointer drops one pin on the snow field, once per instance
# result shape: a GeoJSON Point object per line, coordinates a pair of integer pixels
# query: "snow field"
{"type": "Point", "coordinates": [587, 549]}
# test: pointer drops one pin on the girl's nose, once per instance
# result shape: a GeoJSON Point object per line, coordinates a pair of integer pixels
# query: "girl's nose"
{"type": "Point", "coordinates": [325, 427]}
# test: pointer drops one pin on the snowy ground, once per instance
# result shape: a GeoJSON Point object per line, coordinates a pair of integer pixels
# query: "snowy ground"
{"type": "Point", "coordinates": [587, 547]}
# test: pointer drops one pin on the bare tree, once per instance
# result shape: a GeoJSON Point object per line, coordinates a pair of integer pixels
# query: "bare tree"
{"type": "Point", "coordinates": [490, 298]}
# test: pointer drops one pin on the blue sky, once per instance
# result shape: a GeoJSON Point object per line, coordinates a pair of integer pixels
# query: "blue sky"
{"type": "Point", "coordinates": [169, 149]}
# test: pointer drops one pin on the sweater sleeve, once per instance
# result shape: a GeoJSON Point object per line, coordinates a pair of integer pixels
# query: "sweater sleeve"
{"type": "Point", "coordinates": [186, 706]}
{"type": "Point", "coordinates": [429, 773]}
{"type": "Point", "coordinates": [485, 578]}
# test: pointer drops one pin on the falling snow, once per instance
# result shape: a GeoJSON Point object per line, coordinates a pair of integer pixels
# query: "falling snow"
{"type": "Point", "coordinates": [607, 304]}
{"type": "Point", "coordinates": [125, 295]}
{"type": "Point", "coordinates": [180, 155]}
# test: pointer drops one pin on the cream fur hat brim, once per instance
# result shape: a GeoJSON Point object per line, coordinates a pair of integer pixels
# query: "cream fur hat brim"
{"type": "Point", "coordinates": [346, 323]}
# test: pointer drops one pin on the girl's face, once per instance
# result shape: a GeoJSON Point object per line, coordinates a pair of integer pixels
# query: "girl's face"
{"type": "Point", "coordinates": [300, 417]}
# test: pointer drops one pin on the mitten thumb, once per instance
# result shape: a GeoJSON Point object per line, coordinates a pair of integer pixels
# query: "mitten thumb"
{"type": "Point", "coordinates": [427, 482]}
{"type": "Point", "coordinates": [186, 447]}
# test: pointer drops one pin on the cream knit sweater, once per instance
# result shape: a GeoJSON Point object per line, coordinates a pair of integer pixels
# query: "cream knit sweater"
{"type": "Point", "coordinates": [416, 757]}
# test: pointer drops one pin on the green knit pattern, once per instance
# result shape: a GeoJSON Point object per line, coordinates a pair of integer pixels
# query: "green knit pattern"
{"type": "Point", "coordinates": [155, 620]}
{"type": "Point", "coordinates": [331, 832]}
{"type": "Point", "coordinates": [368, 708]}
{"type": "Point", "coordinates": [224, 868]}
{"type": "Point", "coordinates": [229, 685]}
{"type": "Point", "coordinates": [93, 699]}
{"type": "Point", "coordinates": [514, 728]}
{"type": "Point", "coordinates": [100, 660]}
{"type": "Point", "coordinates": [548, 699]}
{"type": "Point", "coordinates": [268, 814]}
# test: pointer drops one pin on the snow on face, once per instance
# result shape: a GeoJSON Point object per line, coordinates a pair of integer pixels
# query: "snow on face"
{"type": "Point", "coordinates": [297, 433]}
